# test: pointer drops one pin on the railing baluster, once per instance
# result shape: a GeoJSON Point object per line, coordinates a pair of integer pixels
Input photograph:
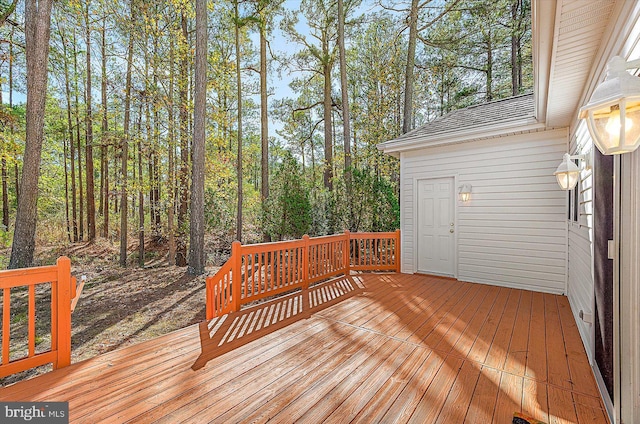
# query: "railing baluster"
{"type": "Point", "coordinates": [261, 289]}
{"type": "Point", "coordinates": [305, 261]}
{"type": "Point", "coordinates": [289, 266]}
{"type": "Point", "coordinates": [54, 317]}
{"type": "Point", "coordinates": [6, 324]}
{"type": "Point", "coordinates": [279, 268]}
{"type": "Point", "coordinates": [267, 271]}
{"type": "Point", "coordinates": [32, 320]}
{"type": "Point", "coordinates": [245, 278]}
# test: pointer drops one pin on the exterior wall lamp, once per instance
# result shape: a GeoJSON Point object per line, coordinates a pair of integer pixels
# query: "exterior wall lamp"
{"type": "Point", "coordinates": [568, 172]}
{"type": "Point", "coordinates": [464, 192]}
{"type": "Point", "coordinates": [613, 113]}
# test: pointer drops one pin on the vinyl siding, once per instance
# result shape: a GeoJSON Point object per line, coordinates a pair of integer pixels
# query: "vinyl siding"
{"type": "Point", "coordinates": [580, 287]}
{"type": "Point", "coordinates": [513, 230]}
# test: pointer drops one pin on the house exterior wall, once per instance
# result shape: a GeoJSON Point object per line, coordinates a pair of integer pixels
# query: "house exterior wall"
{"type": "Point", "coordinates": [630, 288]}
{"type": "Point", "coordinates": [513, 231]}
{"type": "Point", "coordinates": [580, 259]}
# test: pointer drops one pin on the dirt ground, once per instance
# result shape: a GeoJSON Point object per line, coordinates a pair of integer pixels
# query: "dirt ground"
{"type": "Point", "coordinates": [118, 306]}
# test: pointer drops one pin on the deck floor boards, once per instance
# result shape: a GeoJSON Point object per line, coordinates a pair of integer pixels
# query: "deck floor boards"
{"type": "Point", "coordinates": [389, 348]}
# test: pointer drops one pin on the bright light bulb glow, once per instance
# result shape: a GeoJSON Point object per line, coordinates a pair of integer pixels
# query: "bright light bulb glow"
{"type": "Point", "coordinates": [613, 124]}
{"type": "Point", "coordinates": [567, 180]}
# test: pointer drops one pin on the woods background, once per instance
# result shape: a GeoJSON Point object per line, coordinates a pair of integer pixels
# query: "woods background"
{"type": "Point", "coordinates": [118, 153]}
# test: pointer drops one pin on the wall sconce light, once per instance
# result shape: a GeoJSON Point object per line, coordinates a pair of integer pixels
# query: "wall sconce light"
{"type": "Point", "coordinates": [464, 192]}
{"type": "Point", "coordinates": [613, 113]}
{"type": "Point", "coordinates": [568, 172]}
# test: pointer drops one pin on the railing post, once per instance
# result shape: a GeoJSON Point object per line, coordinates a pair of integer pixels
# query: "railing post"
{"type": "Point", "coordinates": [236, 282]}
{"type": "Point", "coordinates": [305, 262]}
{"type": "Point", "coordinates": [209, 298]}
{"type": "Point", "coordinates": [397, 252]}
{"type": "Point", "coordinates": [346, 252]}
{"type": "Point", "coordinates": [63, 288]}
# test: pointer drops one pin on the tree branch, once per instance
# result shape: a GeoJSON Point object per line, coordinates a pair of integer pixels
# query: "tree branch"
{"type": "Point", "coordinates": [4, 15]}
{"type": "Point", "coordinates": [302, 109]}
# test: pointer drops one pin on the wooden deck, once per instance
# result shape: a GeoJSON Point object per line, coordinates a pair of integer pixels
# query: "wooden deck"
{"type": "Point", "coordinates": [370, 348]}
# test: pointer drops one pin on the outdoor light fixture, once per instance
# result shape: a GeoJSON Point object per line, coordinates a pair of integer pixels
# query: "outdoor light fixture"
{"type": "Point", "coordinates": [613, 113]}
{"type": "Point", "coordinates": [464, 192]}
{"type": "Point", "coordinates": [568, 172]}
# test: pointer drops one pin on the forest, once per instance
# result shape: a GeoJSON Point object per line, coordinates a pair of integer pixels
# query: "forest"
{"type": "Point", "coordinates": [250, 120]}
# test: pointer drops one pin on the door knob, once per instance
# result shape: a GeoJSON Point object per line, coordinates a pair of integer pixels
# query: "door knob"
{"type": "Point", "coordinates": [451, 230]}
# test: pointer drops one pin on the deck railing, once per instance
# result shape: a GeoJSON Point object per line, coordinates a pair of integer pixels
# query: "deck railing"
{"type": "Point", "coordinates": [258, 271]}
{"type": "Point", "coordinates": [62, 292]}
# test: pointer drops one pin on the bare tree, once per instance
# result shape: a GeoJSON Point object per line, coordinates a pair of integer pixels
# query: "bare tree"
{"type": "Point", "coordinates": [171, 174]}
{"type": "Point", "coordinates": [125, 151]}
{"type": "Point", "coordinates": [37, 25]}
{"type": "Point", "coordinates": [264, 118]}
{"type": "Point", "coordinates": [72, 147]}
{"type": "Point", "coordinates": [104, 160]}
{"type": "Point", "coordinates": [183, 89]}
{"type": "Point", "coordinates": [411, 61]}
{"type": "Point", "coordinates": [346, 114]}
{"type": "Point", "coordinates": [196, 236]}
{"type": "Point", "coordinates": [239, 130]}
{"type": "Point", "coordinates": [5, 194]}
{"type": "Point", "coordinates": [91, 199]}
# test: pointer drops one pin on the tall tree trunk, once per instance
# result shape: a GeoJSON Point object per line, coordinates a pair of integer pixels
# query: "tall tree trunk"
{"type": "Point", "coordinates": [77, 116]}
{"type": "Point", "coordinates": [171, 165]}
{"type": "Point", "coordinates": [104, 158]}
{"type": "Point", "coordinates": [66, 188]}
{"type": "Point", "coordinates": [514, 47]}
{"type": "Point", "coordinates": [37, 22]}
{"type": "Point", "coordinates": [5, 176]}
{"type": "Point", "coordinates": [16, 173]}
{"type": "Point", "coordinates": [411, 60]}
{"type": "Point", "coordinates": [72, 148]}
{"type": "Point", "coordinates": [346, 113]}
{"type": "Point", "coordinates": [183, 209]}
{"type": "Point", "coordinates": [5, 197]}
{"type": "Point", "coordinates": [489, 69]}
{"type": "Point", "coordinates": [239, 132]}
{"type": "Point", "coordinates": [327, 105]}
{"type": "Point", "coordinates": [140, 196]}
{"type": "Point", "coordinates": [196, 236]}
{"type": "Point", "coordinates": [125, 150]}
{"type": "Point", "coordinates": [155, 166]}
{"type": "Point", "coordinates": [264, 121]}
{"type": "Point", "coordinates": [91, 199]}
{"type": "Point", "coordinates": [5, 191]}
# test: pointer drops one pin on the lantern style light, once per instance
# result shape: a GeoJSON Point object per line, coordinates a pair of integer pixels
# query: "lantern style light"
{"type": "Point", "coordinates": [464, 192]}
{"type": "Point", "coordinates": [613, 113]}
{"type": "Point", "coordinates": [568, 173]}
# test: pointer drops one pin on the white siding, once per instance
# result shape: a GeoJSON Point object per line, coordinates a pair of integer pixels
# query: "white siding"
{"type": "Point", "coordinates": [580, 288]}
{"type": "Point", "coordinates": [513, 230]}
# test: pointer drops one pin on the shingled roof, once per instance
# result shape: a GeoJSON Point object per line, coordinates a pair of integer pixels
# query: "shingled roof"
{"type": "Point", "coordinates": [513, 114]}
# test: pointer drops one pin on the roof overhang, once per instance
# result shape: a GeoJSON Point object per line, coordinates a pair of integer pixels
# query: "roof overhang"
{"type": "Point", "coordinates": [499, 129]}
{"type": "Point", "coordinates": [565, 65]}
{"type": "Point", "coordinates": [543, 28]}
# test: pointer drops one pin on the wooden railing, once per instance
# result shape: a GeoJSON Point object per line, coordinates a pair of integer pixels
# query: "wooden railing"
{"type": "Point", "coordinates": [258, 271]}
{"type": "Point", "coordinates": [62, 293]}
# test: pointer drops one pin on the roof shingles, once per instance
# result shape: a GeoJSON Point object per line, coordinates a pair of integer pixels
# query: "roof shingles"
{"type": "Point", "coordinates": [504, 110]}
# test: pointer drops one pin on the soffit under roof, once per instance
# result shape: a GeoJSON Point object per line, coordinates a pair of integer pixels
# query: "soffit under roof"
{"type": "Point", "coordinates": [581, 28]}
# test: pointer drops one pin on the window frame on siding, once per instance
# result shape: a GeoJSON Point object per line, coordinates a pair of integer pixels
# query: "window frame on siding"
{"type": "Point", "coordinates": [580, 206]}
{"type": "Point", "coordinates": [573, 210]}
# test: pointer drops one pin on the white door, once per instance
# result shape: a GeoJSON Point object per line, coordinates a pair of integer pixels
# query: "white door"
{"type": "Point", "coordinates": [436, 226]}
